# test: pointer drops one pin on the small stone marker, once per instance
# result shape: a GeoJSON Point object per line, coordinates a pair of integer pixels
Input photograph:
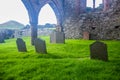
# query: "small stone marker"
{"type": "Point", "coordinates": [86, 35]}
{"type": "Point", "coordinates": [57, 37]}
{"type": "Point", "coordinates": [21, 45]}
{"type": "Point", "coordinates": [40, 46]}
{"type": "Point", "coordinates": [98, 50]}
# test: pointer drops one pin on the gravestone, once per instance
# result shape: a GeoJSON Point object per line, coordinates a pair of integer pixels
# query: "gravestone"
{"type": "Point", "coordinates": [1, 38]}
{"type": "Point", "coordinates": [86, 35]}
{"type": "Point", "coordinates": [57, 37]}
{"type": "Point", "coordinates": [21, 45]}
{"type": "Point", "coordinates": [98, 50]}
{"type": "Point", "coordinates": [40, 46]}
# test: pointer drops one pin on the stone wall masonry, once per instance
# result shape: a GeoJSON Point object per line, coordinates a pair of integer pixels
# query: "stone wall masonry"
{"type": "Point", "coordinates": [72, 8]}
{"type": "Point", "coordinates": [69, 8]}
{"type": "Point", "coordinates": [100, 25]}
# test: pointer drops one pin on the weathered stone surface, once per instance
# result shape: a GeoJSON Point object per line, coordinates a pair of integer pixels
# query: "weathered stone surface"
{"type": "Point", "coordinates": [21, 45]}
{"type": "Point", "coordinates": [98, 50]}
{"type": "Point", "coordinates": [57, 37]}
{"type": "Point", "coordinates": [40, 46]}
{"type": "Point", "coordinates": [86, 35]}
{"type": "Point", "coordinates": [100, 25]}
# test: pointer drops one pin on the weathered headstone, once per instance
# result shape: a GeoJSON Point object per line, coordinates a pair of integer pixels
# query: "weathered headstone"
{"type": "Point", "coordinates": [21, 45]}
{"type": "Point", "coordinates": [40, 46]}
{"type": "Point", "coordinates": [98, 50]}
{"type": "Point", "coordinates": [86, 35]}
{"type": "Point", "coordinates": [1, 38]}
{"type": "Point", "coordinates": [57, 37]}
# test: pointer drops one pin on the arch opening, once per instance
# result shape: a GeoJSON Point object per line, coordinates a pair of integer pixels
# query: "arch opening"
{"type": "Point", "coordinates": [47, 20]}
{"type": "Point", "coordinates": [94, 5]}
{"type": "Point", "coordinates": [47, 15]}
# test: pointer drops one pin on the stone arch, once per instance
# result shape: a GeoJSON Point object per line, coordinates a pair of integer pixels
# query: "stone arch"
{"type": "Point", "coordinates": [57, 8]}
{"type": "Point", "coordinates": [44, 17]}
{"type": "Point", "coordinates": [34, 6]}
{"type": "Point", "coordinates": [31, 12]}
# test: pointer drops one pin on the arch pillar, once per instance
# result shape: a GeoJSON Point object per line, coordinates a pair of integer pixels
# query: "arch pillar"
{"type": "Point", "coordinates": [33, 18]}
{"type": "Point", "coordinates": [94, 1]}
{"type": "Point", "coordinates": [106, 5]}
{"type": "Point", "coordinates": [34, 29]}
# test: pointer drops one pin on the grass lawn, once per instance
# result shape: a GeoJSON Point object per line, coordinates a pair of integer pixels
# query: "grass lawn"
{"type": "Point", "coordinates": [70, 61]}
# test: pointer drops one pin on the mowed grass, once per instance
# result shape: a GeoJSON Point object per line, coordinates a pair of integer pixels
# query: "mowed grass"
{"type": "Point", "coordinates": [69, 61]}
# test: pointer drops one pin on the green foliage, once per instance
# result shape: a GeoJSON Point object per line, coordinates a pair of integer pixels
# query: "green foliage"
{"type": "Point", "coordinates": [70, 61]}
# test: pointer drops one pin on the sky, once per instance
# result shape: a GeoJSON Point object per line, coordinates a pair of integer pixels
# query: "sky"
{"type": "Point", "coordinates": [90, 2]}
{"type": "Point", "coordinates": [15, 10]}
{"type": "Point", "coordinates": [47, 15]}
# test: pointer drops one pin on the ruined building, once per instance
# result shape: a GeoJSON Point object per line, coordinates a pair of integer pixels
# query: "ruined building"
{"type": "Point", "coordinates": [74, 20]}
{"type": "Point", "coordinates": [104, 24]}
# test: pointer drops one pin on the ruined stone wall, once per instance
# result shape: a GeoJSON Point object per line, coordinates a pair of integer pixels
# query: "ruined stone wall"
{"type": "Point", "coordinates": [100, 25]}
{"type": "Point", "coordinates": [72, 8]}
{"type": "Point", "coordinates": [69, 8]}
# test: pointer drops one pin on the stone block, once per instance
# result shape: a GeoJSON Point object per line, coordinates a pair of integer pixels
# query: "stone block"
{"type": "Point", "coordinates": [21, 45]}
{"type": "Point", "coordinates": [86, 35]}
{"type": "Point", "coordinates": [98, 50]}
{"type": "Point", "coordinates": [57, 37]}
{"type": "Point", "coordinates": [40, 46]}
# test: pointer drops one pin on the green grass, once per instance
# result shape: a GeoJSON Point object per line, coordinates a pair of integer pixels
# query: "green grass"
{"type": "Point", "coordinates": [70, 61]}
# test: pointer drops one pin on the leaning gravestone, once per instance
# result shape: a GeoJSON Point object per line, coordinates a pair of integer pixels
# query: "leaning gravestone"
{"type": "Point", "coordinates": [21, 45]}
{"type": "Point", "coordinates": [40, 46]}
{"type": "Point", "coordinates": [57, 37]}
{"type": "Point", "coordinates": [1, 38]}
{"type": "Point", "coordinates": [98, 50]}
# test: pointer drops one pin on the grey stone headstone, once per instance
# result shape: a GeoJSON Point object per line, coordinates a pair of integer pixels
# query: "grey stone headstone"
{"type": "Point", "coordinates": [21, 45]}
{"type": "Point", "coordinates": [57, 37]}
{"type": "Point", "coordinates": [98, 50]}
{"type": "Point", "coordinates": [40, 46]}
{"type": "Point", "coordinates": [1, 38]}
